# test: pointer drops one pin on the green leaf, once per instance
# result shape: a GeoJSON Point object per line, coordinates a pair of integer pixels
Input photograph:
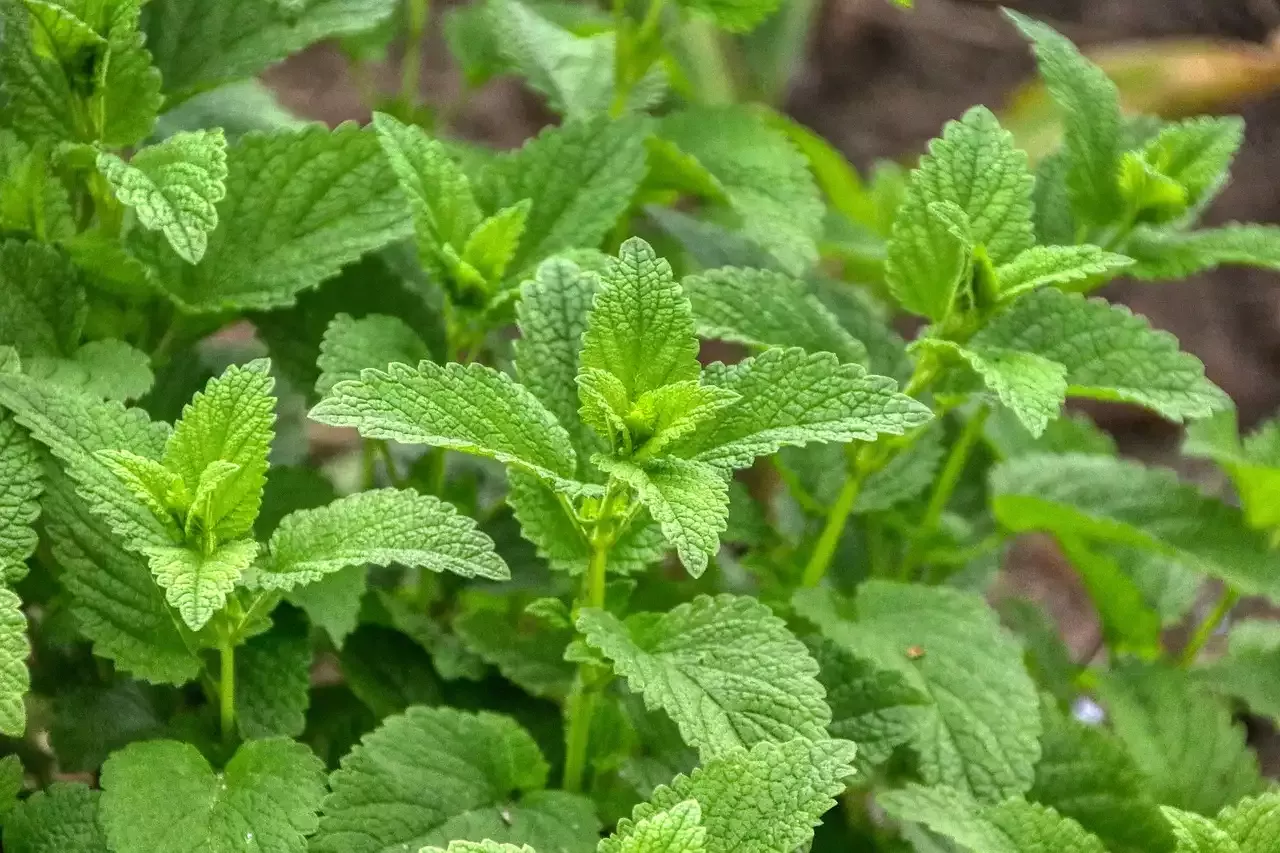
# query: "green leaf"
{"type": "Point", "coordinates": [677, 830]}
{"type": "Point", "coordinates": [975, 167]}
{"type": "Point", "coordinates": [764, 178]}
{"type": "Point", "coordinates": [1109, 352]}
{"type": "Point", "coordinates": [864, 317]}
{"type": "Point", "coordinates": [231, 420]}
{"type": "Point", "coordinates": [106, 369]}
{"type": "Point", "coordinates": [767, 309]}
{"type": "Point", "coordinates": [378, 527]}
{"type": "Point", "coordinates": [1070, 267]}
{"type": "Point", "coordinates": [300, 204]}
{"type": "Point", "coordinates": [1106, 499]}
{"type": "Point", "coordinates": [725, 669]}
{"type": "Point", "coordinates": [433, 775]}
{"type": "Point", "coordinates": [737, 16]}
{"type": "Point", "coordinates": [349, 346]}
{"type": "Point", "coordinates": [490, 248]}
{"type": "Point", "coordinates": [981, 734]}
{"type": "Point", "coordinates": [761, 800]}
{"type": "Point", "coordinates": [43, 298]}
{"type": "Point", "coordinates": [333, 602]}
{"type": "Point", "coordinates": [1196, 153]}
{"type": "Point", "coordinates": [59, 35]}
{"type": "Point", "coordinates": [163, 795]}
{"type": "Point", "coordinates": [640, 328]}
{"type": "Point", "coordinates": [444, 208]}
{"type": "Point", "coordinates": [1032, 387]}
{"type": "Point", "coordinates": [1198, 834]}
{"type": "Point", "coordinates": [126, 82]}
{"type": "Point", "coordinates": [580, 178]}
{"type": "Point", "coordinates": [1086, 774]}
{"type": "Point", "coordinates": [11, 785]}
{"type": "Point", "coordinates": [1247, 671]}
{"type": "Point", "coordinates": [479, 847]}
{"type": "Point", "coordinates": [1253, 464]}
{"type": "Point", "coordinates": [197, 584]}
{"type": "Point", "coordinates": [664, 416]}
{"type": "Point", "coordinates": [690, 500]}
{"type": "Point", "coordinates": [1152, 709]}
{"type": "Point", "coordinates": [273, 679]}
{"type": "Point", "coordinates": [63, 818]}
{"type": "Point", "coordinates": [526, 651]}
{"type": "Point", "coordinates": [1253, 823]}
{"type": "Point", "coordinates": [790, 398]}
{"type": "Point", "coordinates": [174, 187]}
{"type": "Point", "coordinates": [471, 408]}
{"type": "Point", "coordinates": [20, 489]}
{"type": "Point", "coordinates": [1090, 106]}
{"type": "Point", "coordinates": [200, 44]}
{"type": "Point", "coordinates": [15, 681]}
{"type": "Point", "coordinates": [1167, 254]}
{"type": "Point", "coordinates": [1013, 826]}
{"type": "Point", "coordinates": [388, 671]}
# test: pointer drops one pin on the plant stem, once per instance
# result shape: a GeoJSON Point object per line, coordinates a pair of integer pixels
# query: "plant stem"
{"type": "Point", "coordinates": [1204, 631]}
{"type": "Point", "coordinates": [582, 703]}
{"type": "Point", "coordinates": [416, 15]}
{"type": "Point", "coordinates": [943, 488]}
{"type": "Point", "coordinates": [837, 518]}
{"type": "Point", "coordinates": [368, 475]}
{"type": "Point", "coordinates": [227, 690]}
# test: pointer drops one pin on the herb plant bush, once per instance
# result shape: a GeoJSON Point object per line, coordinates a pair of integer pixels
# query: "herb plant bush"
{"type": "Point", "coordinates": [581, 591]}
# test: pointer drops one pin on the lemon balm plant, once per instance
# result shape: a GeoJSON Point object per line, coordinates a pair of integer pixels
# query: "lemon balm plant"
{"type": "Point", "coordinates": [560, 585]}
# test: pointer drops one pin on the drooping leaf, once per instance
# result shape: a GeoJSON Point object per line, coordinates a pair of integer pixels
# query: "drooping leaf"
{"type": "Point", "coordinates": [349, 346]}
{"type": "Point", "coordinates": [273, 679]}
{"type": "Point", "coordinates": [1171, 254]}
{"type": "Point", "coordinates": [1031, 386]}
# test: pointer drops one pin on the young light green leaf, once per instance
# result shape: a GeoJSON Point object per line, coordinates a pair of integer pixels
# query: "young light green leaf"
{"type": "Point", "coordinates": [1253, 464]}
{"type": "Point", "coordinates": [15, 680]}
{"type": "Point", "coordinates": [231, 420]}
{"type": "Point", "coordinates": [767, 309]}
{"type": "Point", "coordinates": [163, 795]}
{"type": "Point", "coordinates": [151, 484]}
{"type": "Point", "coordinates": [43, 298]}
{"type": "Point", "coordinates": [433, 775]}
{"type": "Point", "coordinates": [479, 847]}
{"type": "Point", "coordinates": [349, 346]}
{"type": "Point", "coordinates": [35, 88]}
{"type": "Point", "coordinates": [790, 398]}
{"type": "Point", "coordinates": [127, 83]}
{"type": "Point", "coordinates": [1198, 834]}
{"type": "Point", "coordinates": [174, 187]}
{"type": "Point", "coordinates": [975, 167]}
{"type": "Point", "coordinates": [63, 818]}
{"type": "Point", "coordinates": [664, 416]}
{"type": "Point", "coordinates": [1152, 708]}
{"type": "Point", "coordinates": [981, 734]}
{"type": "Point", "coordinates": [273, 679]}
{"type": "Point", "coordinates": [1090, 106]}
{"type": "Point", "coordinates": [200, 44]}
{"type": "Point", "coordinates": [689, 499]}
{"type": "Point", "coordinates": [378, 527]}
{"type": "Point", "coordinates": [197, 584]}
{"type": "Point", "coordinates": [1081, 267]}
{"type": "Point", "coordinates": [59, 35]}
{"type": "Point", "coordinates": [1107, 499]}
{"type": "Point", "coordinates": [677, 830]}
{"type": "Point", "coordinates": [580, 177]}
{"type": "Point", "coordinates": [444, 209]}
{"type": "Point", "coordinates": [1253, 823]}
{"type": "Point", "coordinates": [1197, 153]}
{"type": "Point", "coordinates": [1109, 353]}
{"type": "Point", "coordinates": [725, 669]}
{"type": "Point", "coordinates": [764, 178]}
{"type": "Point", "coordinates": [471, 408]}
{"type": "Point", "coordinates": [1168, 254]}
{"type": "Point", "coordinates": [604, 407]}
{"type": "Point", "coordinates": [1032, 387]}
{"type": "Point", "coordinates": [492, 245]}
{"type": "Point", "coordinates": [640, 328]}
{"type": "Point", "coordinates": [299, 205]}
{"type": "Point", "coordinates": [761, 800]}
{"type": "Point", "coordinates": [1085, 773]}
{"type": "Point", "coordinates": [20, 488]}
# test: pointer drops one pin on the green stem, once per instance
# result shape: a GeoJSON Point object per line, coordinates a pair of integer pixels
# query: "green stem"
{"type": "Point", "coordinates": [837, 518]}
{"type": "Point", "coordinates": [1204, 631]}
{"type": "Point", "coordinates": [582, 703]}
{"type": "Point", "coordinates": [227, 691]}
{"type": "Point", "coordinates": [943, 488]}
{"type": "Point", "coordinates": [368, 475]}
{"type": "Point", "coordinates": [416, 13]}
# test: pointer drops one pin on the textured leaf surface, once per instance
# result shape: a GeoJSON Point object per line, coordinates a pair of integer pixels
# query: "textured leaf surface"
{"type": "Point", "coordinates": [471, 408]}
{"type": "Point", "coordinates": [981, 734]}
{"type": "Point", "coordinates": [20, 490]}
{"type": "Point", "coordinates": [975, 167]}
{"type": "Point", "coordinates": [1109, 352]}
{"type": "Point", "coordinates": [1198, 834]}
{"type": "Point", "coordinates": [1062, 266]}
{"type": "Point", "coordinates": [479, 847]}
{"type": "Point", "coordinates": [1090, 105]}
{"type": "Point", "coordinates": [765, 179]}
{"type": "Point", "coordinates": [231, 420]}
{"type": "Point", "coordinates": [761, 800]}
{"type": "Point", "coordinates": [174, 187]}
{"type": "Point", "coordinates": [299, 205]}
{"type": "Point", "coordinates": [1197, 153]}
{"type": "Point", "coordinates": [640, 328]}
{"type": "Point", "coordinates": [689, 500]}
{"type": "Point", "coordinates": [1165, 254]}
{"type": "Point", "coordinates": [527, 652]}
{"type": "Point", "coordinates": [378, 527]}
{"type": "Point", "coordinates": [15, 681]}
{"type": "Point", "coordinates": [767, 309]}
{"type": "Point", "coordinates": [163, 795]}
{"type": "Point", "coordinates": [1032, 387]}
{"type": "Point", "coordinates": [196, 584]}
{"type": "Point", "coordinates": [1253, 823]}
{"type": "Point", "coordinates": [1123, 502]}
{"type": "Point", "coordinates": [273, 679]}
{"type": "Point", "coordinates": [333, 602]}
{"type": "Point", "coordinates": [791, 398]}
{"type": "Point", "coordinates": [1154, 711]}
{"type": "Point", "coordinates": [200, 44]}
{"type": "Point", "coordinates": [349, 346]}
{"type": "Point", "coordinates": [43, 298]}
{"type": "Point", "coordinates": [725, 669]}
{"type": "Point", "coordinates": [433, 775]}
{"type": "Point", "coordinates": [677, 830]}
{"type": "Point", "coordinates": [63, 818]}
{"type": "Point", "coordinates": [106, 369]}
{"type": "Point", "coordinates": [128, 81]}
